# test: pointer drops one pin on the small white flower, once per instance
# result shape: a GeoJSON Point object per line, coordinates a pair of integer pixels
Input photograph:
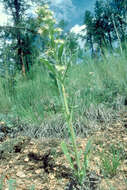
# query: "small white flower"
{"type": "Point", "coordinates": [39, 31]}
{"type": "Point", "coordinates": [58, 30]}
{"type": "Point", "coordinates": [46, 6]}
{"type": "Point", "coordinates": [44, 19]}
{"type": "Point", "coordinates": [37, 9]}
{"type": "Point", "coordinates": [91, 73]}
{"type": "Point", "coordinates": [49, 52]}
{"type": "Point", "coordinates": [60, 67]}
{"type": "Point", "coordinates": [47, 11]}
{"type": "Point", "coordinates": [58, 41]}
{"type": "Point", "coordinates": [53, 21]}
{"type": "Point", "coordinates": [49, 17]}
{"type": "Point", "coordinates": [46, 27]}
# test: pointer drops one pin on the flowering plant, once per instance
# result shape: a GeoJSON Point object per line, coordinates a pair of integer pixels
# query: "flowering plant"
{"type": "Point", "coordinates": [55, 51]}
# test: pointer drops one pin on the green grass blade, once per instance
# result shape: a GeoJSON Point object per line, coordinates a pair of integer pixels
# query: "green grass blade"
{"type": "Point", "coordinates": [1, 182]}
{"type": "Point", "coordinates": [60, 51]}
{"type": "Point", "coordinates": [50, 67]}
{"type": "Point", "coordinates": [66, 153]}
{"type": "Point", "coordinates": [12, 184]}
{"type": "Point", "coordinates": [32, 187]}
{"type": "Point", "coordinates": [86, 153]}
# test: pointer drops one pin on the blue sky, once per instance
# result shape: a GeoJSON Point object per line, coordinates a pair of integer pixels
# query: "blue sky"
{"type": "Point", "coordinates": [71, 11]}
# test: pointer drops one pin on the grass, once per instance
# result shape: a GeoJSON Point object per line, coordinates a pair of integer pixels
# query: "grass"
{"type": "Point", "coordinates": [11, 184]}
{"type": "Point", "coordinates": [95, 90]}
{"type": "Point", "coordinates": [53, 104]}
{"type": "Point", "coordinates": [110, 163]}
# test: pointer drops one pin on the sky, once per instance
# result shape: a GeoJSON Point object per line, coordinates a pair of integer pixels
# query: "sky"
{"type": "Point", "coordinates": [3, 17]}
{"type": "Point", "coordinates": [72, 11]}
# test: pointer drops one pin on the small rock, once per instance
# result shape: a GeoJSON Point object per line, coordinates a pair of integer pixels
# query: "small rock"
{"type": "Point", "coordinates": [10, 162]}
{"type": "Point", "coordinates": [35, 151]}
{"type": "Point", "coordinates": [26, 159]}
{"type": "Point", "coordinates": [20, 174]}
{"type": "Point", "coordinates": [25, 151]}
{"type": "Point", "coordinates": [38, 171]}
{"type": "Point", "coordinates": [32, 143]}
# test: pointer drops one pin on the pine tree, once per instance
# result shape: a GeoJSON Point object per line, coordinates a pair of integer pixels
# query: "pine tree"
{"type": "Point", "coordinates": [88, 21]}
{"type": "Point", "coordinates": [21, 32]}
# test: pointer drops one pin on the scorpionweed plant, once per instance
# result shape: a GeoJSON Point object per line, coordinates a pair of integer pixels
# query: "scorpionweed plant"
{"type": "Point", "coordinates": [74, 157]}
{"type": "Point", "coordinates": [57, 60]}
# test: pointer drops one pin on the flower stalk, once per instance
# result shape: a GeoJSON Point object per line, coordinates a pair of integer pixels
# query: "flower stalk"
{"type": "Point", "coordinates": [70, 125]}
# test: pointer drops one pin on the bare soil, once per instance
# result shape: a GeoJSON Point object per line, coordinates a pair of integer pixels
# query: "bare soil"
{"type": "Point", "coordinates": [41, 162]}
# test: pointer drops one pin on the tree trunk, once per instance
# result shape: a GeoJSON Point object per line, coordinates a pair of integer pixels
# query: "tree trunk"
{"type": "Point", "coordinates": [110, 39]}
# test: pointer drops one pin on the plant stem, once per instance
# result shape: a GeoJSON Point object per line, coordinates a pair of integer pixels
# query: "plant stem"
{"type": "Point", "coordinates": [70, 125]}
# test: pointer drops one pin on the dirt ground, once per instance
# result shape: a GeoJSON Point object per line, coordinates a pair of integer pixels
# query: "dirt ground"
{"type": "Point", "coordinates": [41, 162]}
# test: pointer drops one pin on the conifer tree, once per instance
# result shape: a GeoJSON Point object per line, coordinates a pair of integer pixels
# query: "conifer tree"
{"type": "Point", "coordinates": [20, 31]}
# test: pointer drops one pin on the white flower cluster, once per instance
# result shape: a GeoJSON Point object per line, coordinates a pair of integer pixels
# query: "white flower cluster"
{"type": "Point", "coordinates": [47, 28]}
{"type": "Point", "coordinates": [60, 67]}
{"type": "Point", "coordinates": [45, 19]}
{"type": "Point", "coordinates": [59, 41]}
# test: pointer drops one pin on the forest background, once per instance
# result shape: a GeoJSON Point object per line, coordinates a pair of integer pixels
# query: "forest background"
{"type": "Point", "coordinates": [95, 71]}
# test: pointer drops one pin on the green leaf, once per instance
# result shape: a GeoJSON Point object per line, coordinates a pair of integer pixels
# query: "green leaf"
{"type": "Point", "coordinates": [88, 147]}
{"type": "Point", "coordinates": [52, 40]}
{"type": "Point", "coordinates": [50, 66]}
{"type": "Point", "coordinates": [32, 187]}
{"type": "Point", "coordinates": [87, 152]}
{"type": "Point", "coordinates": [1, 182]}
{"type": "Point", "coordinates": [60, 51]}
{"type": "Point", "coordinates": [66, 153]}
{"type": "Point", "coordinates": [12, 184]}
{"type": "Point", "coordinates": [65, 73]}
{"type": "Point", "coordinates": [80, 153]}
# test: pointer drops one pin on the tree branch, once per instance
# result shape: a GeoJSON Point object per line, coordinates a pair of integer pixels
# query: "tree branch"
{"type": "Point", "coordinates": [15, 27]}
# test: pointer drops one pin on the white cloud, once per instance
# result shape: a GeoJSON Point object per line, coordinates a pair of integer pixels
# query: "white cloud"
{"type": "Point", "coordinates": [64, 9]}
{"type": "Point", "coordinates": [63, 2]}
{"type": "Point", "coordinates": [77, 29]}
{"type": "Point", "coordinates": [57, 1]}
{"type": "Point", "coordinates": [81, 43]}
{"type": "Point", "coordinates": [3, 16]}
